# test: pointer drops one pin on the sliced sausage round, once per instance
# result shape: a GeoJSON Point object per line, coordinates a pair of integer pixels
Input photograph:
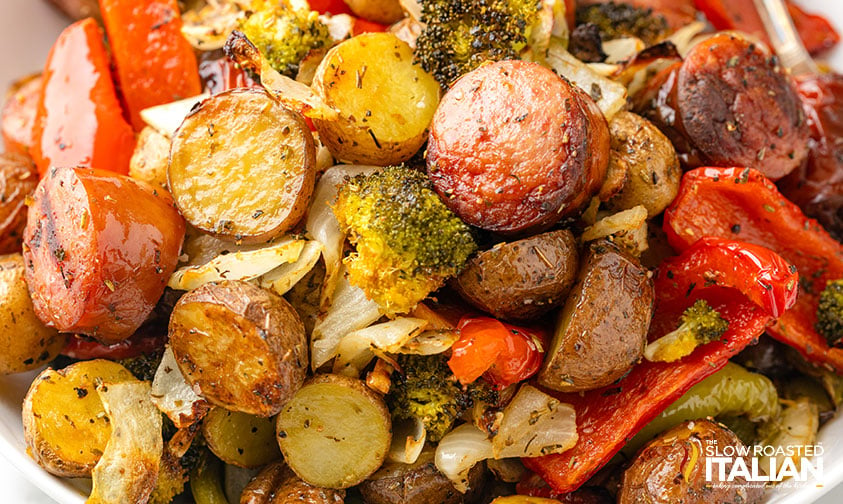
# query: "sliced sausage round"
{"type": "Point", "coordinates": [731, 103]}
{"type": "Point", "coordinates": [514, 148]}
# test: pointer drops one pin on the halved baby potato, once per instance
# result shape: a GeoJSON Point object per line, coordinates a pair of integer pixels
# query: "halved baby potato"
{"type": "Point", "coordinates": [64, 421]}
{"type": "Point", "coordinates": [241, 347]}
{"type": "Point", "coordinates": [385, 102]}
{"type": "Point", "coordinates": [242, 167]}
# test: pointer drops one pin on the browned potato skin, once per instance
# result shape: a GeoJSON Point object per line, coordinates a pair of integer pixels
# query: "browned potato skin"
{"type": "Point", "coordinates": [649, 161]}
{"type": "Point", "coordinates": [380, 11]}
{"type": "Point", "coordinates": [659, 471]}
{"type": "Point", "coordinates": [222, 135]}
{"type": "Point", "coordinates": [521, 280]}
{"type": "Point", "coordinates": [420, 483]}
{"type": "Point", "coordinates": [278, 484]}
{"type": "Point", "coordinates": [244, 347]}
{"type": "Point", "coordinates": [18, 179]}
{"type": "Point", "coordinates": [609, 311]}
{"type": "Point", "coordinates": [26, 342]}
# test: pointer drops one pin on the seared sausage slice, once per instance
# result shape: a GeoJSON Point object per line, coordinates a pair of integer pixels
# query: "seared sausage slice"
{"type": "Point", "coordinates": [730, 103]}
{"type": "Point", "coordinates": [99, 248]}
{"type": "Point", "coordinates": [514, 148]}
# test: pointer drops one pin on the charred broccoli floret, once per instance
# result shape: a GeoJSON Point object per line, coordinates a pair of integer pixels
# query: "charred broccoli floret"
{"type": "Point", "coordinates": [284, 34]}
{"type": "Point", "coordinates": [425, 388]}
{"type": "Point", "coordinates": [830, 313]}
{"type": "Point", "coordinates": [618, 20]}
{"type": "Point", "coordinates": [459, 35]}
{"type": "Point", "coordinates": [407, 241]}
{"type": "Point", "coordinates": [143, 366]}
{"type": "Point", "coordinates": [701, 324]}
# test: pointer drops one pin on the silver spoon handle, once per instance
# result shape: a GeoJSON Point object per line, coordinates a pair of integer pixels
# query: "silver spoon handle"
{"type": "Point", "coordinates": [784, 38]}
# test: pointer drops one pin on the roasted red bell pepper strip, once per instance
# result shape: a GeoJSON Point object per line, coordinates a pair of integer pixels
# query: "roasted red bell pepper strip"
{"type": "Point", "coordinates": [330, 7]}
{"type": "Point", "coordinates": [79, 121]}
{"type": "Point", "coordinates": [503, 353]}
{"type": "Point", "coordinates": [742, 204]}
{"type": "Point", "coordinates": [155, 63]}
{"type": "Point", "coordinates": [815, 31]}
{"type": "Point", "coordinates": [609, 416]}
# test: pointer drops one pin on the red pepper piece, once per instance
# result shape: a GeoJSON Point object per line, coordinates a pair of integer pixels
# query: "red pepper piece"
{"type": "Point", "coordinates": [361, 25]}
{"type": "Point", "coordinates": [79, 120]}
{"type": "Point", "coordinates": [815, 31]}
{"type": "Point", "coordinates": [740, 203]}
{"type": "Point", "coordinates": [609, 416]}
{"type": "Point", "coordinates": [155, 63]}
{"type": "Point", "coordinates": [330, 7]}
{"type": "Point", "coordinates": [503, 353]}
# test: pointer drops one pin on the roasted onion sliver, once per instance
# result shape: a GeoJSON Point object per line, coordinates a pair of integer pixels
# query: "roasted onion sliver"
{"type": "Point", "coordinates": [173, 396]}
{"type": "Point", "coordinates": [322, 225]}
{"type": "Point", "coordinates": [128, 468]}
{"type": "Point", "coordinates": [356, 349]}
{"type": "Point", "coordinates": [459, 451]}
{"type": "Point", "coordinates": [535, 424]}
{"type": "Point", "coordinates": [349, 311]}
{"type": "Point", "coordinates": [408, 437]}
{"type": "Point", "coordinates": [240, 265]}
{"type": "Point", "coordinates": [284, 277]}
{"type": "Point", "coordinates": [167, 118]}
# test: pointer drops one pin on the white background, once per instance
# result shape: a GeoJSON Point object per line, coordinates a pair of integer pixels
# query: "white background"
{"type": "Point", "coordinates": [26, 54]}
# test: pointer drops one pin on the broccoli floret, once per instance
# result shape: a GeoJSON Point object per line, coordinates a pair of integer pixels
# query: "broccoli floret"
{"type": "Point", "coordinates": [701, 324]}
{"type": "Point", "coordinates": [407, 241]}
{"type": "Point", "coordinates": [143, 366]}
{"type": "Point", "coordinates": [830, 313]}
{"type": "Point", "coordinates": [284, 34]}
{"type": "Point", "coordinates": [618, 20]}
{"type": "Point", "coordinates": [459, 35]}
{"type": "Point", "coordinates": [425, 388]}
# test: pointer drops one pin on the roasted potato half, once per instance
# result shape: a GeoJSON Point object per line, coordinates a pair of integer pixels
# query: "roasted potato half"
{"type": "Point", "coordinates": [335, 431]}
{"type": "Point", "coordinates": [242, 167]}
{"type": "Point", "coordinates": [26, 342]}
{"type": "Point", "coordinates": [240, 439]}
{"type": "Point", "coordinates": [277, 484]}
{"type": "Point", "coordinates": [242, 346]}
{"type": "Point", "coordinates": [602, 329]}
{"type": "Point", "coordinates": [18, 179]}
{"type": "Point", "coordinates": [645, 162]}
{"type": "Point", "coordinates": [385, 101]}
{"type": "Point", "coordinates": [64, 421]}
{"type": "Point", "coordinates": [521, 280]}
{"type": "Point", "coordinates": [672, 468]}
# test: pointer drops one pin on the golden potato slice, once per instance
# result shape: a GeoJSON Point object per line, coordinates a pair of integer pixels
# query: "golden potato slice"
{"type": "Point", "coordinates": [26, 342]}
{"type": "Point", "coordinates": [239, 438]}
{"type": "Point", "coordinates": [242, 167]}
{"type": "Point", "coordinates": [335, 432]}
{"type": "Point", "coordinates": [242, 346]}
{"type": "Point", "coordinates": [64, 420]}
{"type": "Point", "coordinates": [385, 102]}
